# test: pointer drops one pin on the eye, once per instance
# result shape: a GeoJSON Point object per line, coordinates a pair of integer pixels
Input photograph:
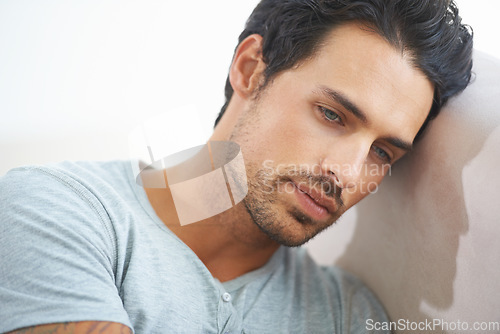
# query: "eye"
{"type": "Point", "coordinates": [383, 155]}
{"type": "Point", "coordinates": [330, 115]}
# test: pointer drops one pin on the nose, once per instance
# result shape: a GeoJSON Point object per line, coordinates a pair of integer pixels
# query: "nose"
{"type": "Point", "coordinates": [345, 164]}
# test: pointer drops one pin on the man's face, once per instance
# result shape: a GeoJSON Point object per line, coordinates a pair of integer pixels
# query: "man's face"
{"type": "Point", "coordinates": [320, 137]}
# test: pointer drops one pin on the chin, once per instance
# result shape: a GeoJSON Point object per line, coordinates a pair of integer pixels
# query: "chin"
{"type": "Point", "coordinates": [277, 215]}
{"type": "Point", "coordinates": [291, 229]}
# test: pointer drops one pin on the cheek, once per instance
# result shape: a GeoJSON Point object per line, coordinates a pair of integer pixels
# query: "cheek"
{"type": "Point", "coordinates": [279, 134]}
{"type": "Point", "coordinates": [270, 139]}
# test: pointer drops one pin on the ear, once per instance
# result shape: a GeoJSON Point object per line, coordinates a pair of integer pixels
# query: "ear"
{"type": "Point", "coordinates": [247, 69]}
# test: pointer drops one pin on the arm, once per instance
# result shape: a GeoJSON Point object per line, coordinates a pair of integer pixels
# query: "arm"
{"type": "Point", "coordinates": [82, 327]}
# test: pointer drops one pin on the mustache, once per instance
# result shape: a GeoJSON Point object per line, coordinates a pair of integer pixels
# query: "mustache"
{"type": "Point", "coordinates": [327, 186]}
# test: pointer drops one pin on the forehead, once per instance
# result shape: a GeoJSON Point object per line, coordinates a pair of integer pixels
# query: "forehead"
{"type": "Point", "coordinates": [376, 76]}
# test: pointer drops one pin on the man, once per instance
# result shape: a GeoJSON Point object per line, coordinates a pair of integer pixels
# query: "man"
{"type": "Point", "coordinates": [340, 88]}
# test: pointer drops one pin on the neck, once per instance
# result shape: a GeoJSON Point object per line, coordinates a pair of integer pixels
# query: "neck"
{"type": "Point", "coordinates": [229, 247]}
{"type": "Point", "coordinates": [229, 244]}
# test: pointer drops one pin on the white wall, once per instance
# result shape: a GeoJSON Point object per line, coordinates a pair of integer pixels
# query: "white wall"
{"type": "Point", "coordinates": [482, 15]}
{"type": "Point", "coordinates": [77, 76]}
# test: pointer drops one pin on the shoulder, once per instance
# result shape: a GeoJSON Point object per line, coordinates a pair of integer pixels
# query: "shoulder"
{"type": "Point", "coordinates": [72, 175]}
{"type": "Point", "coordinates": [59, 248]}
{"type": "Point", "coordinates": [70, 201]}
{"type": "Point", "coordinates": [44, 187]}
{"type": "Point", "coordinates": [353, 303]}
{"type": "Point", "coordinates": [53, 206]}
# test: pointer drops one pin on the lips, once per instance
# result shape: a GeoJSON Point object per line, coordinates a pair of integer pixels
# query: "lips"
{"type": "Point", "coordinates": [314, 204]}
{"type": "Point", "coordinates": [319, 198]}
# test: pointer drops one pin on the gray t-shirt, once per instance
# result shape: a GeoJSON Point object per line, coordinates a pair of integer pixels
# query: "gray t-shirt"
{"type": "Point", "coordinates": [80, 241]}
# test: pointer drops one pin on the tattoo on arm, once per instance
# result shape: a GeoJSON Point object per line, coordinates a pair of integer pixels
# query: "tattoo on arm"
{"type": "Point", "coordinates": [82, 327]}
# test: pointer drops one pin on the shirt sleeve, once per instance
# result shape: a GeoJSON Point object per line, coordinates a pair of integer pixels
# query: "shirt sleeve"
{"type": "Point", "coordinates": [57, 252]}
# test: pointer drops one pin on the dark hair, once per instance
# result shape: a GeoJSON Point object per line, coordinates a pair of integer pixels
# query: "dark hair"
{"type": "Point", "coordinates": [430, 32]}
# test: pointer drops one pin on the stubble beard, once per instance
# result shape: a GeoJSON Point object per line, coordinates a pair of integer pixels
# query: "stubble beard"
{"type": "Point", "coordinates": [278, 220]}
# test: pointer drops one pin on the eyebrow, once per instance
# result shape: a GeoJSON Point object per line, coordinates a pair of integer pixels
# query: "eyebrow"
{"type": "Point", "coordinates": [404, 145]}
{"type": "Point", "coordinates": [344, 101]}
{"type": "Point", "coordinates": [348, 105]}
